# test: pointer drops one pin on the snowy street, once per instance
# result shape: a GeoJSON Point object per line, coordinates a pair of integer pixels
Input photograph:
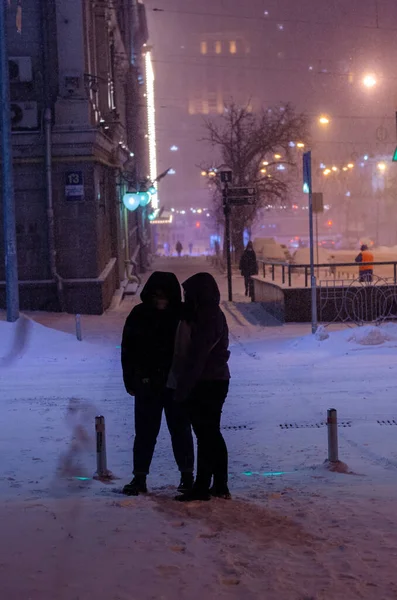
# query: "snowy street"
{"type": "Point", "coordinates": [293, 531]}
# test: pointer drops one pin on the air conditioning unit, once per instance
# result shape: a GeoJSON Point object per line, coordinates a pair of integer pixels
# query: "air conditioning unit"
{"type": "Point", "coordinates": [20, 69]}
{"type": "Point", "coordinates": [24, 116]}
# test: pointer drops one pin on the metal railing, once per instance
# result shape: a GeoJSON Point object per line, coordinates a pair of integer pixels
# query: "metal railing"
{"type": "Point", "coordinates": [287, 270]}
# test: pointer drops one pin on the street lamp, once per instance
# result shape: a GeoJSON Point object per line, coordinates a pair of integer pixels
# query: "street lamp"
{"type": "Point", "coordinates": [324, 120]}
{"type": "Point", "coordinates": [369, 81]}
{"type": "Point", "coordinates": [382, 167]}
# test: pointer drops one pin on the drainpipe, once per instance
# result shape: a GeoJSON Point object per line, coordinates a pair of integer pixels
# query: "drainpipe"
{"type": "Point", "coordinates": [50, 208]}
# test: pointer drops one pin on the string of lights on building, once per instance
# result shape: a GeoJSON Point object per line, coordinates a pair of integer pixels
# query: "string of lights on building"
{"type": "Point", "coordinates": [151, 116]}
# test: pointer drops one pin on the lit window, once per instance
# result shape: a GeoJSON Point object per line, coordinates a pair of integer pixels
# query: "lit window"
{"type": "Point", "coordinates": [204, 48]}
{"type": "Point", "coordinates": [233, 47]}
{"type": "Point", "coordinates": [218, 47]}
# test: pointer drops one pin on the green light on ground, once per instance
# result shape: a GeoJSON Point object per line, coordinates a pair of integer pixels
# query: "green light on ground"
{"type": "Point", "coordinates": [83, 478]}
{"type": "Point", "coordinates": [269, 474]}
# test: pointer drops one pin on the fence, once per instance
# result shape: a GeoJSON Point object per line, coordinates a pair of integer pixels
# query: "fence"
{"type": "Point", "coordinates": [282, 270]}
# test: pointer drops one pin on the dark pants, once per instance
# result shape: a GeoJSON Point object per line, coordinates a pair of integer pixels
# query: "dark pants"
{"type": "Point", "coordinates": [149, 407]}
{"type": "Point", "coordinates": [366, 275]}
{"type": "Point", "coordinates": [249, 286]}
{"type": "Point", "coordinates": [205, 409]}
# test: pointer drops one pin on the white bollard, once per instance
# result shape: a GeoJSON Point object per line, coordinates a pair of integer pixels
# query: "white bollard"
{"type": "Point", "coordinates": [332, 425]}
{"type": "Point", "coordinates": [78, 328]}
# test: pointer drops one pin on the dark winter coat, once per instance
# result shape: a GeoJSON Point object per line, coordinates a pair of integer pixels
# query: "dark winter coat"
{"type": "Point", "coordinates": [149, 334]}
{"type": "Point", "coordinates": [248, 263]}
{"type": "Point", "coordinates": [201, 352]}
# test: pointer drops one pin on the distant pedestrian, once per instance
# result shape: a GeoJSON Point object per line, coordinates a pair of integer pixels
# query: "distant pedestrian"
{"type": "Point", "coordinates": [146, 353]}
{"type": "Point", "coordinates": [366, 268]}
{"type": "Point", "coordinates": [200, 377]}
{"type": "Point", "coordinates": [190, 249]}
{"type": "Point", "coordinates": [248, 268]}
{"type": "Point", "coordinates": [332, 267]}
{"type": "Point", "coordinates": [179, 248]}
{"type": "Point", "coordinates": [217, 248]}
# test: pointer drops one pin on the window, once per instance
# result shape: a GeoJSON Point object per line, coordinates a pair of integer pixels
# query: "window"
{"type": "Point", "coordinates": [233, 47]}
{"type": "Point", "coordinates": [218, 47]}
{"type": "Point", "coordinates": [212, 102]}
{"type": "Point", "coordinates": [203, 48]}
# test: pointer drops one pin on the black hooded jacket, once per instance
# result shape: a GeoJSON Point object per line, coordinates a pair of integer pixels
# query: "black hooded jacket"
{"type": "Point", "coordinates": [149, 334]}
{"type": "Point", "coordinates": [207, 354]}
{"type": "Point", "coordinates": [248, 262]}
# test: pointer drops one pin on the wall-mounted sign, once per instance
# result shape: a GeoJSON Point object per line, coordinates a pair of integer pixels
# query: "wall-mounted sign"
{"type": "Point", "coordinates": [74, 186]}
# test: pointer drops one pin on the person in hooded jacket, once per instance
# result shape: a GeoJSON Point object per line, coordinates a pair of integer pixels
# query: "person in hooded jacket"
{"type": "Point", "coordinates": [200, 379]}
{"type": "Point", "coordinates": [146, 354]}
{"type": "Point", "coordinates": [248, 268]}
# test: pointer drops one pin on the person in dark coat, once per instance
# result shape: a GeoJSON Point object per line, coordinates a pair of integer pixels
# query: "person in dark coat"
{"type": "Point", "coordinates": [146, 354]}
{"type": "Point", "coordinates": [248, 268]}
{"type": "Point", "coordinates": [179, 248]}
{"type": "Point", "coordinates": [200, 379]}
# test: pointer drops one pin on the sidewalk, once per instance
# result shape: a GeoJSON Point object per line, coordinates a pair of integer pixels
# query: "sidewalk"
{"type": "Point", "coordinates": [294, 531]}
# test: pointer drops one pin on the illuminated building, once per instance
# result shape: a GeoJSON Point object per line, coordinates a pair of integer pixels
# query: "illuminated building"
{"type": "Point", "coordinates": [78, 75]}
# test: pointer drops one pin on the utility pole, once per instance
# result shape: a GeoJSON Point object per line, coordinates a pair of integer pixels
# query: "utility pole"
{"type": "Point", "coordinates": [10, 244]}
{"type": "Point", "coordinates": [226, 210]}
{"type": "Point", "coordinates": [226, 179]}
{"type": "Point", "coordinates": [307, 179]}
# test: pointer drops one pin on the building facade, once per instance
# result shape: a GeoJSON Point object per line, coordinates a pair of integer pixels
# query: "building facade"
{"type": "Point", "coordinates": [79, 123]}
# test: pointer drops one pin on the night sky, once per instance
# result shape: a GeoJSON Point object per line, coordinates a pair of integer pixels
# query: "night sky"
{"type": "Point", "coordinates": [313, 53]}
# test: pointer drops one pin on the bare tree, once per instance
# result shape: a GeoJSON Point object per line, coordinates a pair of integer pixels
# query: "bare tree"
{"type": "Point", "coordinates": [248, 143]}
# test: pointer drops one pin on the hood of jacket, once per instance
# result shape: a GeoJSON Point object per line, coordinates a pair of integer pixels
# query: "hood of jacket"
{"type": "Point", "coordinates": [201, 291]}
{"type": "Point", "coordinates": [166, 283]}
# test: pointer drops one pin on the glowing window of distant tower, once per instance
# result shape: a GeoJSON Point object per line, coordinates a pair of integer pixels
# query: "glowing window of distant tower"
{"type": "Point", "coordinates": [218, 47]}
{"type": "Point", "coordinates": [203, 48]}
{"type": "Point", "coordinates": [233, 47]}
{"type": "Point", "coordinates": [151, 120]}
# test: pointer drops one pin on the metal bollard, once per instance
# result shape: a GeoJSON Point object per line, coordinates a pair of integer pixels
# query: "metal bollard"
{"type": "Point", "coordinates": [101, 462]}
{"type": "Point", "coordinates": [78, 328]}
{"type": "Point", "coordinates": [332, 425]}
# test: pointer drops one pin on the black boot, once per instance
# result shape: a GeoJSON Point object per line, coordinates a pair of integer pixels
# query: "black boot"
{"type": "Point", "coordinates": [194, 495]}
{"type": "Point", "coordinates": [186, 483]}
{"type": "Point", "coordinates": [136, 486]}
{"type": "Point", "coordinates": [220, 491]}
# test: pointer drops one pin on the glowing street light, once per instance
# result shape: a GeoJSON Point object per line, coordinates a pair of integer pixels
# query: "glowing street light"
{"type": "Point", "coordinates": [204, 173]}
{"type": "Point", "coordinates": [335, 169]}
{"type": "Point", "coordinates": [324, 120]}
{"type": "Point", "coordinates": [327, 172]}
{"type": "Point", "coordinates": [369, 81]}
{"type": "Point", "coordinates": [350, 166]}
{"type": "Point", "coordinates": [382, 167]}
{"type": "Point", "coordinates": [277, 156]}
{"type": "Point", "coordinates": [300, 145]}
{"type": "Point", "coordinates": [263, 171]}
{"type": "Point", "coordinates": [265, 163]}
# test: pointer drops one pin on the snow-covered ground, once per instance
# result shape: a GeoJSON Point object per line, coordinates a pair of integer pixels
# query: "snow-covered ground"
{"type": "Point", "coordinates": [294, 531]}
